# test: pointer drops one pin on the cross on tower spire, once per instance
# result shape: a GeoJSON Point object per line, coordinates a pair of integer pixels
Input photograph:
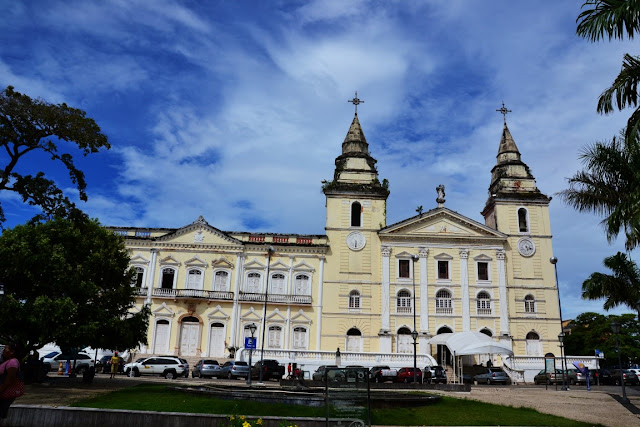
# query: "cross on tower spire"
{"type": "Point", "coordinates": [502, 110]}
{"type": "Point", "coordinates": [355, 101]}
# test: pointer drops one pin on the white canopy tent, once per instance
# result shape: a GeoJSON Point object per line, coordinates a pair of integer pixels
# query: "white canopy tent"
{"type": "Point", "coordinates": [470, 343]}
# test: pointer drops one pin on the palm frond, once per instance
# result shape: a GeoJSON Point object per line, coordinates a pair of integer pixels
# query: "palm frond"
{"type": "Point", "coordinates": [624, 87]}
{"type": "Point", "coordinates": [608, 18]}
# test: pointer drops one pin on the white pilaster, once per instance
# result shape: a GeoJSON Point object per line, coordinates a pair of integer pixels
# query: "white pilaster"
{"type": "Point", "coordinates": [319, 305]}
{"type": "Point", "coordinates": [386, 252]}
{"type": "Point", "coordinates": [151, 274]}
{"type": "Point", "coordinates": [423, 252]}
{"type": "Point", "coordinates": [502, 287]}
{"type": "Point", "coordinates": [464, 285]}
{"type": "Point", "coordinates": [235, 316]}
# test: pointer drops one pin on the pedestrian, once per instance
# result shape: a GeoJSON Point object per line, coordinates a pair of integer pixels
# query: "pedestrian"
{"type": "Point", "coordinates": [489, 363]}
{"type": "Point", "coordinates": [588, 375]}
{"type": "Point", "coordinates": [115, 362]}
{"type": "Point", "coordinates": [11, 386]}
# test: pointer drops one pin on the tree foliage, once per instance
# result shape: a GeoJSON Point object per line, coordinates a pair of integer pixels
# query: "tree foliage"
{"type": "Point", "coordinates": [609, 185]}
{"type": "Point", "coordinates": [28, 125]}
{"type": "Point", "coordinates": [68, 281]}
{"type": "Point", "coordinates": [620, 288]}
{"type": "Point", "coordinates": [613, 19]}
{"type": "Point", "coordinates": [592, 331]}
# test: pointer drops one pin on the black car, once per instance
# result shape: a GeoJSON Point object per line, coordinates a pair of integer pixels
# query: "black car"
{"type": "Point", "coordinates": [104, 365]}
{"type": "Point", "coordinates": [435, 375]}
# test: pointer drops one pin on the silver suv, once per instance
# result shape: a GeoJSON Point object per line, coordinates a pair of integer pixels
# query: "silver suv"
{"type": "Point", "coordinates": [169, 367]}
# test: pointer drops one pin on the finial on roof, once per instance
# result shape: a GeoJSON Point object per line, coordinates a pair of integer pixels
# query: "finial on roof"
{"type": "Point", "coordinates": [355, 101]}
{"type": "Point", "coordinates": [504, 112]}
{"type": "Point", "coordinates": [440, 199]}
{"type": "Point", "coordinates": [201, 220]}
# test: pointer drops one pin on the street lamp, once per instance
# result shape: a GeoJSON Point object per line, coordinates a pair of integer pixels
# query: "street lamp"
{"type": "Point", "coordinates": [563, 363]}
{"type": "Point", "coordinates": [414, 334]}
{"type": "Point", "coordinates": [615, 327]}
{"type": "Point", "coordinates": [270, 251]}
{"type": "Point", "coordinates": [252, 329]}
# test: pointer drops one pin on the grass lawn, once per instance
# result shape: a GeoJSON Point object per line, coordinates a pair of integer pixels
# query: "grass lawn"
{"type": "Point", "coordinates": [449, 411]}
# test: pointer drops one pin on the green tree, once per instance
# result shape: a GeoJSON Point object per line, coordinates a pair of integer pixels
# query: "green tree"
{"type": "Point", "coordinates": [68, 281]}
{"type": "Point", "coordinates": [613, 19]}
{"type": "Point", "coordinates": [592, 331]}
{"type": "Point", "coordinates": [609, 185]}
{"type": "Point", "coordinates": [29, 125]}
{"type": "Point", "coordinates": [620, 288]}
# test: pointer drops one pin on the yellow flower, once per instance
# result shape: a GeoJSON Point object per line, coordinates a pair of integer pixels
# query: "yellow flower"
{"type": "Point", "coordinates": [231, 418]}
{"type": "Point", "coordinates": [259, 422]}
{"type": "Point", "coordinates": [246, 424]}
{"type": "Point", "coordinates": [242, 417]}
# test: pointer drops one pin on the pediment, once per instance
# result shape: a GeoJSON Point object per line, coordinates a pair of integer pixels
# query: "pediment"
{"type": "Point", "coordinates": [279, 266]}
{"type": "Point", "coordinates": [222, 262]}
{"type": "Point", "coordinates": [199, 232]}
{"type": "Point", "coordinates": [276, 316]}
{"type": "Point", "coordinates": [218, 314]}
{"type": "Point", "coordinates": [303, 266]}
{"type": "Point", "coordinates": [254, 264]}
{"type": "Point", "coordinates": [482, 257]}
{"type": "Point", "coordinates": [196, 261]}
{"type": "Point", "coordinates": [301, 318]}
{"type": "Point", "coordinates": [404, 254]}
{"type": "Point", "coordinates": [440, 223]}
{"type": "Point", "coordinates": [251, 315]}
{"type": "Point", "coordinates": [169, 260]}
{"type": "Point", "coordinates": [139, 259]}
{"type": "Point", "coordinates": [163, 311]}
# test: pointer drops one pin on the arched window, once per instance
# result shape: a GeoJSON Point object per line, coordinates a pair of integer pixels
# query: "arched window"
{"type": "Point", "coordinates": [354, 339]}
{"type": "Point", "coordinates": [277, 284]}
{"type": "Point", "coordinates": [483, 303]}
{"type": "Point", "coordinates": [486, 331]}
{"type": "Point", "coordinates": [533, 344]}
{"type": "Point", "coordinates": [523, 223]}
{"type": "Point", "coordinates": [275, 337]}
{"type": "Point", "coordinates": [194, 279]}
{"type": "Point", "coordinates": [300, 337]}
{"type": "Point", "coordinates": [356, 214]}
{"type": "Point", "coordinates": [405, 341]}
{"type": "Point", "coordinates": [529, 304]}
{"type": "Point", "coordinates": [443, 302]}
{"type": "Point", "coordinates": [253, 282]}
{"type": "Point", "coordinates": [168, 278]}
{"type": "Point", "coordinates": [138, 278]}
{"type": "Point", "coordinates": [302, 285]}
{"type": "Point", "coordinates": [354, 299]}
{"type": "Point", "coordinates": [533, 336]}
{"type": "Point", "coordinates": [221, 281]}
{"type": "Point", "coordinates": [403, 302]}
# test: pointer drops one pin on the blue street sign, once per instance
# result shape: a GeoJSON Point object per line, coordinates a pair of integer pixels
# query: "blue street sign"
{"type": "Point", "coordinates": [250, 343]}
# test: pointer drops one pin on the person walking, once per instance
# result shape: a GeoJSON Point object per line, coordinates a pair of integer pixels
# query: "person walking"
{"type": "Point", "coordinates": [10, 384]}
{"type": "Point", "coordinates": [115, 362]}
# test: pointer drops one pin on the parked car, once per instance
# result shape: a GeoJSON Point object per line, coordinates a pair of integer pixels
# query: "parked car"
{"type": "Point", "coordinates": [270, 369]}
{"type": "Point", "coordinates": [435, 374]}
{"type": "Point", "coordinates": [319, 374]}
{"type": "Point", "coordinates": [206, 368]}
{"type": "Point", "coordinates": [406, 375]}
{"type": "Point", "coordinates": [82, 362]}
{"type": "Point", "coordinates": [234, 370]}
{"type": "Point", "coordinates": [628, 377]}
{"type": "Point", "coordinates": [104, 365]}
{"type": "Point", "coordinates": [492, 376]}
{"type": "Point", "coordinates": [168, 367]}
{"type": "Point", "coordinates": [186, 367]}
{"type": "Point", "coordinates": [544, 377]}
{"type": "Point", "coordinates": [574, 376]}
{"type": "Point", "coordinates": [381, 374]}
{"type": "Point", "coordinates": [127, 366]}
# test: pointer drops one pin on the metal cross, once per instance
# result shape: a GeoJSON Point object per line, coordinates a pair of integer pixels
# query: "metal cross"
{"type": "Point", "coordinates": [504, 112]}
{"type": "Point", "coordinates": [355, 101]}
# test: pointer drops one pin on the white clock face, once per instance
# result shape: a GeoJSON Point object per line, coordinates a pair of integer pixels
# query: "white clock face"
{"type": "Point", "coordinates": [356, 241]}
{"type": "Point", "coordinates": [526, 247]}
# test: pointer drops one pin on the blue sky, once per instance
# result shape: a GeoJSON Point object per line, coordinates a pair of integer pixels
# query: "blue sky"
{"type": "Point", "coordinates": [236, 110]}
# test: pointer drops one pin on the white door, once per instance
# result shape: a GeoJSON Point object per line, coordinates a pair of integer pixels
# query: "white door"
{"type": "Point", "coordinates": [405, 343]}
{"type": "Point", "coordinates": [162, 337]}
{"type": "Point", "coordinates": [189, 338]}
{"type": "Point", "coordinates": [216, 340]}
{"type": "Point", "coordinates": [353, 343]}
{"type": "Point", "coordinates": [533, 348]}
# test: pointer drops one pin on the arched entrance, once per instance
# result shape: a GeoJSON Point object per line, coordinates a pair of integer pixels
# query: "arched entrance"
{"type": "Point", "coordinates": [443, 354]}
{"type": "Point", "coordinates": [189, 336]}
{"type": "Point", "coordinates": [354, 340]}
{"type": "Point", "coordinates": [216, 340]}
{"type": "Point", "coordinates": [533, 344]}
{"type": "Point", "coordinates": [405, 341]}
{"type": "Point", "coordinates": [161, 337]}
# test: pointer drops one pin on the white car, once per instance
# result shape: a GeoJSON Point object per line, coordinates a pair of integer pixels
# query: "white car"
{"type": "Point", "coordinates": [167, 366]}
{"type": "Point", "coordinates": [82, 362]}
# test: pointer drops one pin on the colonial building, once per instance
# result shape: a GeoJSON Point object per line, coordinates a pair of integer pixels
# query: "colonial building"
{"type": "Point", "coordinates": [364, 286]}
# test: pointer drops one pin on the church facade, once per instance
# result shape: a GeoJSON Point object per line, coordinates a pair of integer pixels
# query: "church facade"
{"type": "Point", "coordinates": [363, 287]}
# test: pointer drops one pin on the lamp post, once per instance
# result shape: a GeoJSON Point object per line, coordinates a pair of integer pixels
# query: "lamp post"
{"type": "Point", "coordinates": [270, 251]}
{"type": "Point", "coordinates": [252, 328]}
{"type": "Point", "coordinates": [615, 327]}
{"type": "Point", "coordinates": [414, 333]}
{"type": "Point", "coordinates": [563, 363]}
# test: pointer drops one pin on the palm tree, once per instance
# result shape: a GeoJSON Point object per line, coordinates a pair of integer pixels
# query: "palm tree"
{"type": "Point", "coordinates": [620, 288]}
{"type": "Point", "coordinates": [614, 19]}
{"type": "Point", "coordinates": [610, 185]}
